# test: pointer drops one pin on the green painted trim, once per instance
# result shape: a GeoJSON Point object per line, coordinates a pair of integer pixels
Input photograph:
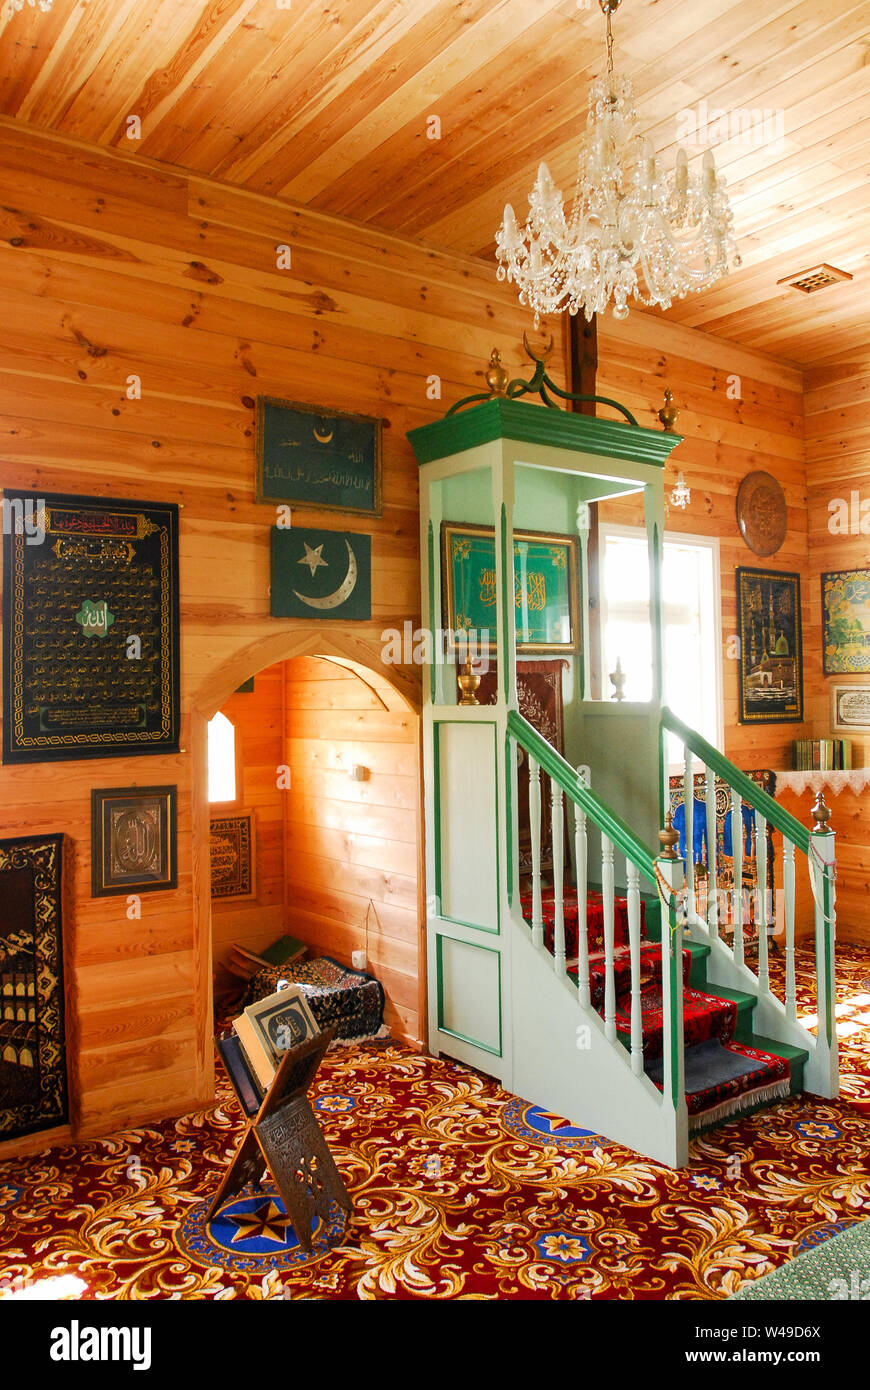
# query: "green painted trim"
{"type": "Point", "coordinates": [509, 818]}
{"type": "Point", "coordinates": [613, 826]}
{"type": "Point", "coordinates": [444, 916]}
{"type": "Point", "coordinates": [505, 602]}
{"type": "Point", "coordinates": [773, 813]}
{"type": "Point", "coordinates": [433, 689]}
{"type": "Point", "coordinates": [658, 616]}
{"type": "Point", "coordinates": [829, 983]}
{"type": "Point", "coordinates": [439, 979]}
{"type": "Point", "coordinates": [675, 972]}
{"type": "Point", "coordinates": [530, 424]}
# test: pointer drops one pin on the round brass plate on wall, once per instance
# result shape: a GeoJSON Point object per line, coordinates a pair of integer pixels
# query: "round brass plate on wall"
{"type": "Point", "coordinates": [762, 514]}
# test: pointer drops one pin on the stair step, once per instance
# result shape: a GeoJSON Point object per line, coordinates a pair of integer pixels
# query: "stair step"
{"type": "Point", "coordinates": [797, 1057]}
{"type": "Point", "coordinates": [745, 1005]}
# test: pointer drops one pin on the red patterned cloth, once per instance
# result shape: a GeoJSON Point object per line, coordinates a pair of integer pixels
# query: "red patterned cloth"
{"type": "Point", "coordinates": [594, 918]}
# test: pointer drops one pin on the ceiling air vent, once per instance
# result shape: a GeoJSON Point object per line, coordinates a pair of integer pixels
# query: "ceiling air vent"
{"type": "Point", "coordinates": [818, 277]}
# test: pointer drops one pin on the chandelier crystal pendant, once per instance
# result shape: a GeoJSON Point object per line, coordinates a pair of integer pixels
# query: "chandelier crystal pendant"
{"type": "Point", "coordinates": [631, 231]}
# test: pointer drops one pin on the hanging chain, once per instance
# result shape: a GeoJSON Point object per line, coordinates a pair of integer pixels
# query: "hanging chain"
{"type": "Point", "coordinates": [609, 48]}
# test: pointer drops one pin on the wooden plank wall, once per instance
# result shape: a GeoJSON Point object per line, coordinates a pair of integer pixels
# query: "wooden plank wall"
{"type": "Point", "coordinates": [258, 719]}
{"type": "Point", "coordinates": [112, 266]}
{"type": "Point", "coordinates": [838, 462]}
{"type": "Point", "coordinates": [352, 846]}
{"type": "Point", "coordinates": [724, 439]}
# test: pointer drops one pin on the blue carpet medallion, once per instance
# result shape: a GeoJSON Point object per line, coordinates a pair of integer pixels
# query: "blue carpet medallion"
{"type": "Point", "coordinates": [253, 1234]}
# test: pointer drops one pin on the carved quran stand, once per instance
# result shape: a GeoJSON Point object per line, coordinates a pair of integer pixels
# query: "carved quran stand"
{"type": "Point", "coordinates": [285, 1136]}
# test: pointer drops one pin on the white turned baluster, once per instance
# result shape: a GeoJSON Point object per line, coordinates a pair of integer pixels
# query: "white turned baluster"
{"type": "Point", "coordinates": [634, 945]}
{"type": "Point", "coordinates": [788, 885]}
{"type": "Point", "coordinates": [761, 900]}
{"type": "Point", "coordinates": [712, 855]}
{"type": "Point", "coordinates": [609, 981]}
{"type": "Point", "coordinates": [535, 822]}
{"type": "Point", "coordinates": [689, 805]}
{"type": "Point", "coordinates": [558, 877]}
{"type": "Point", "coordinates": [581, 861]}
{"type": "Point", "coordinates": [737, 862]}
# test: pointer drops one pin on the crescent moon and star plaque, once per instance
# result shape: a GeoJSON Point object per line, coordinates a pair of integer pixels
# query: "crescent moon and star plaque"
{"type": "Point", "coordinates": [317, 458]}
{"type": "Point", "coordinates": [320, 574]}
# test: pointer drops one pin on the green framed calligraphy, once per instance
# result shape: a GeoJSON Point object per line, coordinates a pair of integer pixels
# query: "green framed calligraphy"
{"type": "Point", "coordinates": [546, 586]}
{"type": "Point", "coordinates": [318, 458]}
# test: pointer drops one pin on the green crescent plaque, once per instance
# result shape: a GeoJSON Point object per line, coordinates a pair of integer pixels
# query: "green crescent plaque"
{"type": "Point", "coordinates": [320, 574]}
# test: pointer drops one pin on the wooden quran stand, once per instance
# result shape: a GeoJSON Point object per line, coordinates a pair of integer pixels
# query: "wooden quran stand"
{"type": "Point", "coordinates": [285, 1136]}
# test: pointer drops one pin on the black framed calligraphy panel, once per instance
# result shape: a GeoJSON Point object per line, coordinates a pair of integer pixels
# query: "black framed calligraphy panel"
{"type": "Point", "coordinates": [90, 628]}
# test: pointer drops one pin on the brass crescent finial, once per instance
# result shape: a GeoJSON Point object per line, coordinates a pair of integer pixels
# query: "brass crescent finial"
{"type": "Point", "coordinates": [530, 352]}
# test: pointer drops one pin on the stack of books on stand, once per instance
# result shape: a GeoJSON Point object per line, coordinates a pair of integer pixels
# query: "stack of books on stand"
{"type": "Point", "coordinates": [246, 963]}
{"type": "Point", "coordinates": [822, 755]}
{"type": "Point", "coordinates": [266, 1029]}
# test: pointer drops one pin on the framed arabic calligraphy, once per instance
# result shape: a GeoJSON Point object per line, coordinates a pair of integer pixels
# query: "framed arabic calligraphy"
{"type": "Point", "coordinates": [233, 856]}
{"type": "Point", "coordinates": [316, 458]}
{"type": "Point", "coordinates": [546, 587]}
{"type": "Point", "coordinates": [133, 840]}
{"type": "Point", "coordinates": [90, 629]}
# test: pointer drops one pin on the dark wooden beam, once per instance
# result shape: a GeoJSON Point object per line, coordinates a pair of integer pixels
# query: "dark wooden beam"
{"type": "Point", "coordinates": [583, 366]}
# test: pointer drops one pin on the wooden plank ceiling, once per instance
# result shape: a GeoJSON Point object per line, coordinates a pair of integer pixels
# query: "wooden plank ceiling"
{"type": "Point", "coordinates": [325, 103]}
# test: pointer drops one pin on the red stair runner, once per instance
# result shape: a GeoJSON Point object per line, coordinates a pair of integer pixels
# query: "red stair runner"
{"type": "Point", "coordinates": [723, 1077]}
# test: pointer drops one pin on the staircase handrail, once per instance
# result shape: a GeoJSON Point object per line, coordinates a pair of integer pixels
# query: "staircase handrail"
{"type": "Point", "coordinates": [775, 814]}
{"type": "Point", "coordinates": [565, 776]}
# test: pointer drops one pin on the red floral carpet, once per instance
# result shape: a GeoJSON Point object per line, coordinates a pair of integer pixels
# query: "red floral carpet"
{"type": "Point", "coordinates": [460, 1191]}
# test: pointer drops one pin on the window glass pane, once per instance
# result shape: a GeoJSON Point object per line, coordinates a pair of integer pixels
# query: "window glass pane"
{"type": "Point", "coordinates": [691, 626]}
{"type": "Point", "coordinates": [626, 570]}
{"type": "Point", "coordinates": [221, 759]}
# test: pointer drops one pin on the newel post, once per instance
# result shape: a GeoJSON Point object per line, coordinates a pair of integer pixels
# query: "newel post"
{"type": "Point", "coordinates": [669, 873]}
{"type": "Point", "coordinates": [823, 872]}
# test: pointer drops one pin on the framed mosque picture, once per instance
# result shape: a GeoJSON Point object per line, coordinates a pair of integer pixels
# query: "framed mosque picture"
{"type": "Point", "coordinates": [771, 651]}
{"type": "Point", "coordinates": [317, 458]}
{"type": "Point", "coordinates": [546, 587]}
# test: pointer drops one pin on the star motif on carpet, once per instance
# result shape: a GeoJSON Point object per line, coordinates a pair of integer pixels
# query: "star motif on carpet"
{"type": "Point", "coordinates": [267, 1222]}
{"type": "Point", "coordinates": [556, 1122]}
{"type": "Point", "coordinates": [313, 557]}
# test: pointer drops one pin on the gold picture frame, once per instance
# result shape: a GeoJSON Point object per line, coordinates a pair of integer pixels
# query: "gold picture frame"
{"type": "Point", "coordinates": [546, 602]}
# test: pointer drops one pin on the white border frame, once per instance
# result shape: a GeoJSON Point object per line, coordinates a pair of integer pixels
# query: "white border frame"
{"type": "Point", "coordinates": [836, 690]}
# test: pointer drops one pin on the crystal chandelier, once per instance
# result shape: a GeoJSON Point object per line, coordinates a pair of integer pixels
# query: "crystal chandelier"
{"type": "Point", "coordinates": [15, 6]}
{"type": "Point", "coordinates": [630, 232]}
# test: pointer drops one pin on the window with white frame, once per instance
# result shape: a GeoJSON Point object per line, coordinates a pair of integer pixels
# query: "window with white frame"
{"type": "Point", "coordinates": [692, 643]}
{"type": "Point", "coordinates": [221, 759]}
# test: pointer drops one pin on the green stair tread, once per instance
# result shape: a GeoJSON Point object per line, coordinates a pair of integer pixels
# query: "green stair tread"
{"type": "Point", "coordinates": [779, 1049]}
{"type": "Point", "coordinates": [737, 996]}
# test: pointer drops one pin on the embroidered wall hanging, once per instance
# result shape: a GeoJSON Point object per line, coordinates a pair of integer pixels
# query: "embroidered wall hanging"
{"type": "Point", "coordinates": [33, 1075]}
{"type": "Point", "coordinates": [90, 628]}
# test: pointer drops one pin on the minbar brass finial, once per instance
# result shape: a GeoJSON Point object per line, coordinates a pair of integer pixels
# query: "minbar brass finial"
{"type": "Point", "coordinates": [669, 838]}
{"type": "Point", "coordinates": [820, 813]}
{"type": "Point", "coordinates": [496, 375]}
{"type": "Point", "coordinates": [669, 412]}
{"type": "Point", "coordinates": [468, 680]}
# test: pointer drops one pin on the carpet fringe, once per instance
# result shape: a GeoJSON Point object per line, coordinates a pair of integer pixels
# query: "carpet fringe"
{"type": "Point", "coordinates": [383, 1032]}
{"type": "Point", "coordinates": [747, 1100]}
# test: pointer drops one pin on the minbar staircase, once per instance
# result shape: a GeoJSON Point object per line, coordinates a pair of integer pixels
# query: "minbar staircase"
{"type": "Point", "coordinates": [675, 1008]}
{"type": "Point", "coordinates": [729, 1069]}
